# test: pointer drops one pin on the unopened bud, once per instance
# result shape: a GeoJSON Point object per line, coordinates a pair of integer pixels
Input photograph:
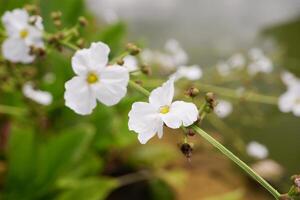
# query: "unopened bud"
{"type": "Point", "coordinates": [31, 8]}
{"type": "Point", "coordinates": [211, 100]}
{"type": "Point", "coordinates": [133, 49]}
{"type": "Point", "coordinates": [192, 92]}
{"type": "Point", "coordinates": [146, 69]}
{"type": "Point", "coordinates": [120, 61]}
{"type": "Point", "coordinates": [190, 132]}
{"type": "Point", "coordinates": [186, 149]}
{"type": "Point", "coordinates": [56, 15]}
{"type": "Point", "coordinates": [57, 23]}
{"type": "Point", "coordinates": [82, 21]}
{"type": "Point", "coordinates": [80, 43]}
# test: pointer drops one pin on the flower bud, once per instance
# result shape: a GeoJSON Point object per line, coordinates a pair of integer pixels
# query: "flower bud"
{"type": "Point", "coordinates": [56, 15]}
{"type": "Point", "coordinates": [146, 70]}
{"type": "Point", "coordinates": [31, 8]}
{"type": "Point", "coordinates": [133, 49]}
{"type": "Point", "coordinates": [190, 132]}
{"type": "Point", "coordinates": [192, 92]}
{"type": "Point", "coordinates": [120, 61]}
{"type": "Point", "coordinates": [57, 23]}
{"type": "Point", "coordinates": [80, 43]}
{"type": "Point", "coordinates": [82, 21]}
{"type": "Point", "coordinates": [210, 100]}
{"type": "Point", "coordinates": [186, 149]}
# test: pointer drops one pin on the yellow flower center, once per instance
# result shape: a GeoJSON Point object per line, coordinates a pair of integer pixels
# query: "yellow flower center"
{"type": "Point", "coordinates": [164, 109]}
{"type": "Point", "coordinates": [92, 78]}
{"type": "Point", "coordinates": [23, 33]}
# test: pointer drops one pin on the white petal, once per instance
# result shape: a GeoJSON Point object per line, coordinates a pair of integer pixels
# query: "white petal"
{"type": "Point", "coordinates": [94, 58]}
{"type": "Point", "coordinates": [35, 37]}
{"type": "Point", "coordinates": [257, 150]}
{"type": "Point", "coordinates": [163, 95]}
{"type": "Point", "coordinates": [112, 85]}
{"type": "Point", "coordinates": [78, 96]}
{"type": "Point", "coordinates": [286, 101]}
{"type": "Point", "coordinates": [15, 50]}
{"type": "Point", "coordinates": [296, 110]}
{"type": "Point", "coordinates": [223, 108]}
{"type": "Point", "coordinates": [181, 113]}
{"type": "Point", "coordinates": [192, 73]}
{"type": "Point", "coordinates": [41, 97]}
{"type": "Point", "coordinates": [130, 63]}
{"type": "Point", "coordinates": [14, 21]}
{"type": "Point", "coordinates": [144, 119]}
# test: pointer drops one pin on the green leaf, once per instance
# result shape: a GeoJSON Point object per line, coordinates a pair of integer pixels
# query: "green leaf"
{"type": "Point", "coordinates": [87, 189]}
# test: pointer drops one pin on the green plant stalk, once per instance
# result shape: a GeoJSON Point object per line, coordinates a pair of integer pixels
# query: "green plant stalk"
{"type": "Point", "coordinates": [216, 144]}
{"type": "Point", "coordinates": [12, 110]}
{"type": "Point", "coordinates": [239, 162]}
{"type": "Point", "coordinates": [222, 149]}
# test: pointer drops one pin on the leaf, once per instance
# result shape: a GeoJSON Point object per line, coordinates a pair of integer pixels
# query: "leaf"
{"type": "Point", "coordinates": [87, 189]}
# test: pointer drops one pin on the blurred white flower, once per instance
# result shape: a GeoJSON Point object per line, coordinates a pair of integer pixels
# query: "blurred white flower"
{"type": "Point", "coordinates": [223, 108]}
{"type": "Point", "coordinates": [237, 61]}
{"type": "Point", "coordinates": [41, 97]}
{"type": "Point", "coordinates": [259, 62]}
{"type": "Point", "coordinates": [223, 68]}
{"type": "Point", "coordinates": [95, 80]}
{"type": "Point", "coordinates": [171, 58]}
{"type": "Point", "coordinates": [23, 32]}
{"type": "Point", "coordinates": [268, 169]}
{"type": "Point", "coordinates": [147, 119]}
{"type": "Point", "coordinates": [257, 150]}
{"type": "Point", "coordinates": [131, 63]}
{"type": "Point", "coordinates": [110, 16]}
{"type": "Point", "coordinates": [192, 73]}
{"type": "Point", "coordinates": [290, 100]}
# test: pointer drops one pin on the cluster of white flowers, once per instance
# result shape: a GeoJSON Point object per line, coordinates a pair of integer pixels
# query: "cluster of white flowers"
{"type": "Point", "coordinates": [23, 32]}
{"type": "Point", "coordinates": [223, 109]}
{"type": "Point", "coordinates": [255, 62]}
{"type": "Point", "coordinates": [290, 100]}
{"type": "Point", "coordinates": [257, 150]}
{"type": "Point", "coordinates": [96, 80]}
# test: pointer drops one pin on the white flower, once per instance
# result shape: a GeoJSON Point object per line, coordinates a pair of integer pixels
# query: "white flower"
{"type": "Point", "coordinates": [192, 73]}
{"type": "Point", "coordinates": [223, 108]}
{"type": "Point", "coordinates": [268, 169]}
{"type": "Point", "coordinates": [257, 150]}
{"type": "Point", "coordinates": [41, 97]}
{"type": "Point", "coordinates": [130, 63]}
{"type": "Point", "coordinates": [237, 61]}
{"type": "Point", "coordinates": [147, 119]}
{"type": "Point", "coordinates": [290, 100]}
{"type": "Point", "coordinates": [259, 62]}
{"type": "Point", "coordinates": [23, 32]}
{"type": "Point", "coordinates": [223, 68]}
{"type": "Point", "coordinates": [95, 80]}
{"type": "Point", "coordinates": [179, 56]}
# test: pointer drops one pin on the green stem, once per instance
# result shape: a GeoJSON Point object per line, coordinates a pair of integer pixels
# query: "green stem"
{"type": "Point", "coordinates": [239, 162]}
{"type": "Point", "coordinates": [222, 149]}
{"type": "Point", "coordinates": [4, 109]}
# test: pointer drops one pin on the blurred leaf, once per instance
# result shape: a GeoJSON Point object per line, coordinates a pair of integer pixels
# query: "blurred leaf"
{"type": "Point", "coordinates": [233, 195]}
{"type": "Point", "coordinates": [160, 190]}
{"type": "Point", "coordinates": [154, 155]}
{"type": "Point", "coordinates": [113, 36]}
{"type": "Point", "coordinates": [87, 189]}
{"type": "Point", "coordinates": [71, 10]}
{"type": "Point", "coordinates": [11, 4]}
{"type": "Point", "coordinates": [21, 168]}
{"type": "Point", "coordinates": [287, 35]}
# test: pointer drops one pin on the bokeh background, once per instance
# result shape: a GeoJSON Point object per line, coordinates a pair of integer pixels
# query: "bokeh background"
{"type": "Point", "coordinates": [52, 153]}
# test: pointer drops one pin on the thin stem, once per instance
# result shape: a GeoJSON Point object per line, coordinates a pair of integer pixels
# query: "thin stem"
{"type": "Point", "coordinates": [139, 88]}
{"type": "Point", "coordinates": [4, 109]}
{"type": "Point", "coordinates": [239, 162]}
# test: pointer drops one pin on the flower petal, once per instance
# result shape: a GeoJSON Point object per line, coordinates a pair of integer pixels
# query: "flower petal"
{"type": "Point", "coordinates": [15, 50]}
{"type": "Point", "coordinates": [39, 96]}
{"type": "Point", "coordinates": [112, 86]}
{"type": "Point", "coordinates": [145, 120]}
{"type": "Point", "coordinates": [181, 113]}
{"type": "Point", "coordinates": [93, 59]}
{"type": "Point", "coordinates": [14, 21]}
{"type": "Point", "coordinates": [163, 95]}
{"type": "Point", "coordinates": [286, 101]}
{"type": "Point", "coordinates": [78, 96]}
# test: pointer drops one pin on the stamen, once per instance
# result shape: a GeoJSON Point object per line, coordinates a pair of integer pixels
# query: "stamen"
{"type": "Point", "coordinates": [164, 109]}
{"type": "Point", "coordinates": [23, 33]}
{"type": "Point", "coordinates": [92, 78]}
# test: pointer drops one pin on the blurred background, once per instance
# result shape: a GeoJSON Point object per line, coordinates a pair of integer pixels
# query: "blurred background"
{"type": "Point", "coordinates": [49, 152]}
